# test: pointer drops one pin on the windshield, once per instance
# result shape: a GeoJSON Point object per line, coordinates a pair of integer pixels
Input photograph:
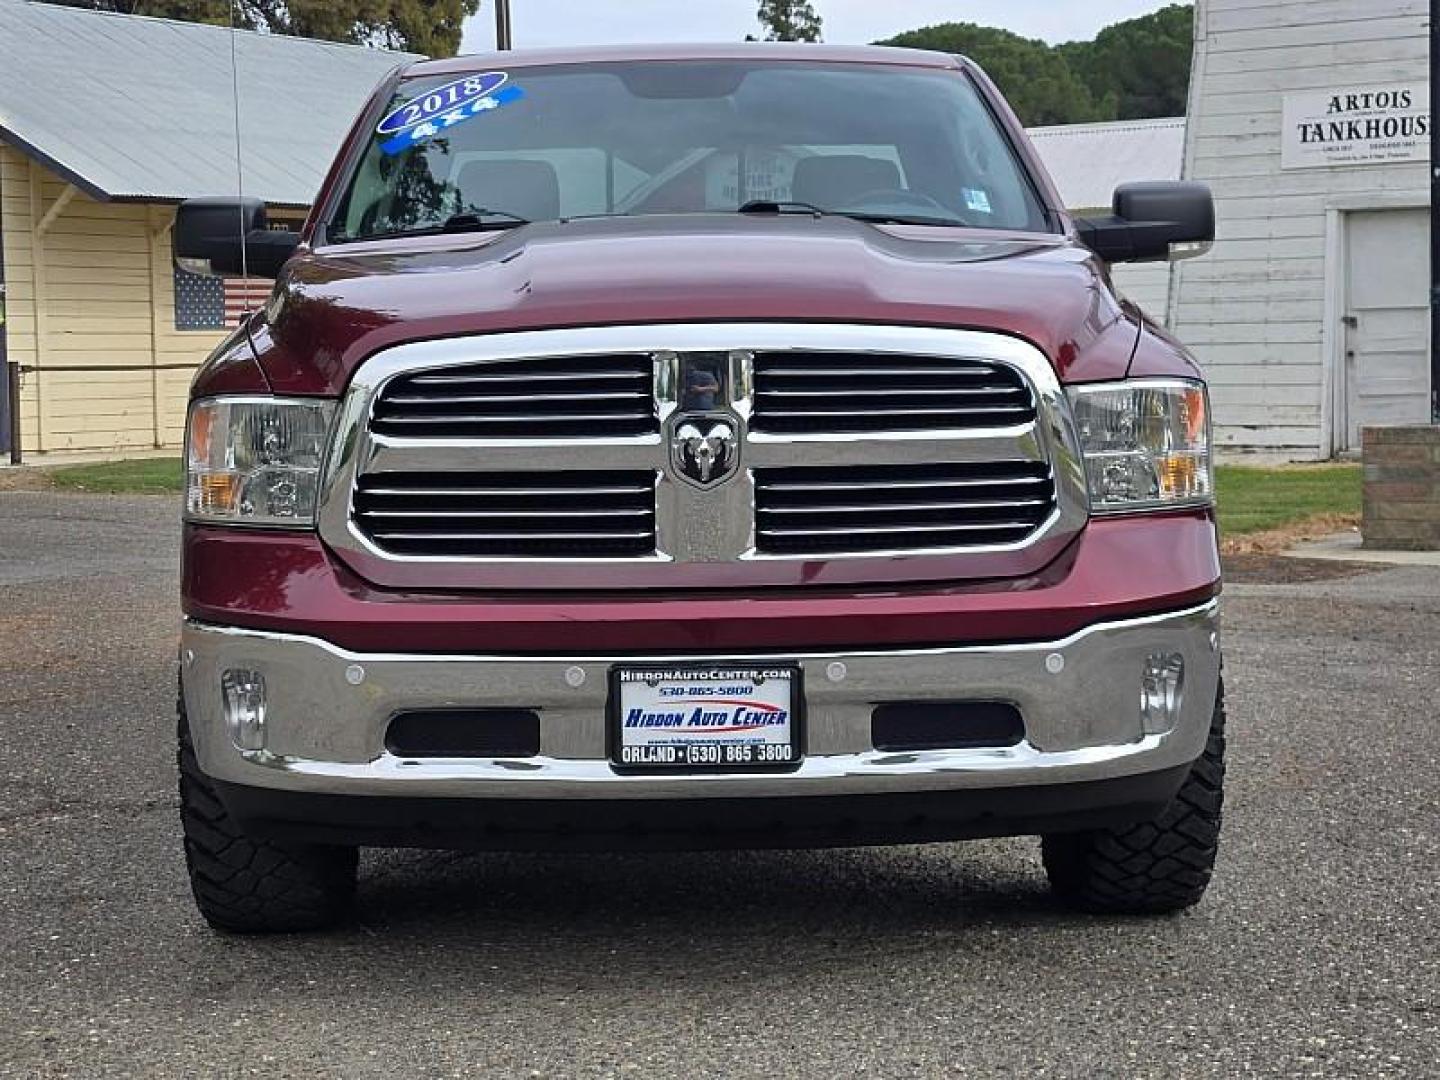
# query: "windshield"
{"type": "Point", "coordinates": [498, 149]}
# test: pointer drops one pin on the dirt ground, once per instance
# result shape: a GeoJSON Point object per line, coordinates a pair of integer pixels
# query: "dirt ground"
{"type": "Point", "coordinates": [1317, 951]}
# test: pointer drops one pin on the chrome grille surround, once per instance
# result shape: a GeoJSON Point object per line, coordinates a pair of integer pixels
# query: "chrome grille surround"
{"type": "Point", "coordinates": [705, 537]}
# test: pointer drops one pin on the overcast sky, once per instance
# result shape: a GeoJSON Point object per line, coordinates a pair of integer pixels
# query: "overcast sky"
{"type": "Point", "coordinates": [847, 22]}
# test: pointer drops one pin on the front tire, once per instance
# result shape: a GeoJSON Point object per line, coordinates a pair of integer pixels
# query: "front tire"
{"type": "Point", "coordinates": [250, 886]}
{"type": "Point", "coordinates": [1155, 867]}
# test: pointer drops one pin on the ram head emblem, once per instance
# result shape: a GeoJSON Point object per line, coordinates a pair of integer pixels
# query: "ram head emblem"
{"type": "Point", "coordinates": [705, 452]}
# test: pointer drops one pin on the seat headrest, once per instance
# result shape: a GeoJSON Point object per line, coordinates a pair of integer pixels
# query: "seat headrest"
{"type": "Point", "coordinates": [830, 181]}
{"type": "Point", "coordinates": [529, 189]}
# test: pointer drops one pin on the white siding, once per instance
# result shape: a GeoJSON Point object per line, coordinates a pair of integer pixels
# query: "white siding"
{"type": "Point", "coordinates": [1147, 284]}
{"type": "Point", "coordinates": [1255, 310]}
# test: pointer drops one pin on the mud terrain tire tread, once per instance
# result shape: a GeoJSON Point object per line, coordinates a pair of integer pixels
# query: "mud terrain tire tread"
{"type": "Point", "coordinates": [1154, 867]}
{"type": "Point", "coordinates": [250, 886]}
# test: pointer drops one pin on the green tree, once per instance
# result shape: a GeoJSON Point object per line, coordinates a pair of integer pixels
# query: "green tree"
{"type": "Point", "coordinates": [789, 20]}
{"type": "Point", "coordinates": [431, 27]}
{"type": "Point", "coordinates": [1144, 63]}
{"type": "Point", "coordinates": [202, 11]}
{"type": "Point", "coordinates": [1034, 77]}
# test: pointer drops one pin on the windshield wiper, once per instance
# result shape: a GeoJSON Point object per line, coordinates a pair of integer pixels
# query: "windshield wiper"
{"type": "Point", "coordinates": [881, 218]}
{"type": "Point", "coordinates": [482, 220]}
{"type": "Point", "coordinates": [772, 206]}
{"type": "Point", "coordinates": [469, 221]}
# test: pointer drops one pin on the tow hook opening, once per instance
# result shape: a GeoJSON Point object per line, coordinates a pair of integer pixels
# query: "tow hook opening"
{"type": "Point", "coordinates": [945, 725]}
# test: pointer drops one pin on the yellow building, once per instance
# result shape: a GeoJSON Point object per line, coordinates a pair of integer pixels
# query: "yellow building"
{"type": "Point", "coordinates": [96, 352]}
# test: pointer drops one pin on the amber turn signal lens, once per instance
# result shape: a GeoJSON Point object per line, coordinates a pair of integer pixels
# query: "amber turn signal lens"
{"type": "Point", "coordinates": [1196, 416]}
{"type": "Point", "coordinates": [217, 492]}
{"type": "Point", "coordinates": [1179, 477]}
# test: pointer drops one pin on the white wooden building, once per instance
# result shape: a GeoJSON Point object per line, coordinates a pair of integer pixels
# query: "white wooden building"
{"type": "Point", "coordinates": [1310, 121]}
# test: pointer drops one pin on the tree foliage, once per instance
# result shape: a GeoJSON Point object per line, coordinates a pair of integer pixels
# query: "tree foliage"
{"type": "Point", "coordinates": [431, 27]}
{"type": "Point", "coordinates": [789, 20]}
{"type": "Point", "coordinates": [1033, 76]}
{"type": "Point", "coordinates": [1144, 63]}
{"type": "Point", "coordinates": [1132, 70]}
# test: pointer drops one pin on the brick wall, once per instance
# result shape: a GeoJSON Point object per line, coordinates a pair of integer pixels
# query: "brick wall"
{"type": "Point", "coordinates": [1402, 488]}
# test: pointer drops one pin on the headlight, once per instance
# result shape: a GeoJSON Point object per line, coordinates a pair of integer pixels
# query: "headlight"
{"type": "Point", "coordinates": [255, 460]}
{"type": "Point", "coordinates": [1146, 444]}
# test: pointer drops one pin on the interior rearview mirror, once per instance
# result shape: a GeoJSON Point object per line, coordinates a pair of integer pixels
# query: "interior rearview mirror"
{"type": "Point", "coordinates": [208, 238]}
{"type": "Point", "coordinates": [1153, 222]}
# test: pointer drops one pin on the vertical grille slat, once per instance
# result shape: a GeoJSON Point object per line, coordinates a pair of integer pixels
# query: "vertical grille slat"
{"type": "Point", "coordinates": [524, 398]}
{"type": "Point", "coordinates": [601, 514]}
{"type": "Point", "coordinates": [823, 510]}
{"type": "Point", "coordinates": [838, 393]}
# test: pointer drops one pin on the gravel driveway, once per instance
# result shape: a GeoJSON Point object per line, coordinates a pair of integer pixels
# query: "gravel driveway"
{"type": "Point", "coordinates": [1316, 953]}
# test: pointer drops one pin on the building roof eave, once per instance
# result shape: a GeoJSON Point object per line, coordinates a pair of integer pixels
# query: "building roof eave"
{"type": "Point", "coordinates": [59, 168]}
{"type": "Point", "coordinates": [99, 194]}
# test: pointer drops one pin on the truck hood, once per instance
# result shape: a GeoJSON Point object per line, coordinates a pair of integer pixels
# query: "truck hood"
{"type": "Point", "coordinates": [336, 305]}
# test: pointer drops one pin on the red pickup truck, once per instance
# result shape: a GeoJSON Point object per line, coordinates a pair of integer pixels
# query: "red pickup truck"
{"type": "Point", "coordinates": [720, 446]}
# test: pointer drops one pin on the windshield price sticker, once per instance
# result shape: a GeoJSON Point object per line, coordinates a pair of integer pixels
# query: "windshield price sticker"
{"type": "Point", "coordinates": [704, 719]}
{"type": "Point", "coordinates": [442, 99]}
{"type": "Point", "coordinates": [442, 108]}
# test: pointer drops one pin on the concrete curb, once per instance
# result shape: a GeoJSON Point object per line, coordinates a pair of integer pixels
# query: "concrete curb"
{"type": "Point", "coordinates": [1346, 547]}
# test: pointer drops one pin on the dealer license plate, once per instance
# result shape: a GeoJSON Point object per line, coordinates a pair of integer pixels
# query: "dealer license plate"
{"type": "Point", "coordinates": [704, 718]}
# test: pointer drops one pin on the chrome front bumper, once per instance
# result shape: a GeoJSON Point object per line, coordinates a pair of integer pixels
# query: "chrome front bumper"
{"type": "Point", "coordinates": [328, 710]}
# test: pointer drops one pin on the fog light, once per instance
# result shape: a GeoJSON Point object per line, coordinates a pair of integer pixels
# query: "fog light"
{"type": "Point", "coordinates": [1161, 689]}
{"type": "Point", "coordinates": [244, 694]}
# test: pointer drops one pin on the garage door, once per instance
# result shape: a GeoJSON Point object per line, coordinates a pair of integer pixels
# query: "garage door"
{"type": "Point", "coordinates": [1387, 358]}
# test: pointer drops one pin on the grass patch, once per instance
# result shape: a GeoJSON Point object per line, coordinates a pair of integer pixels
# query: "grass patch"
{"type": "Point", "coordinates": [140, 476]}
{"type": "Point", "coordinates": [1255, 500]}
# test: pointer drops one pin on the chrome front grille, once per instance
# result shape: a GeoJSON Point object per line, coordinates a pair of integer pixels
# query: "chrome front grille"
{"type": "Point", "coordinates": [695, 456]}
{"type": "Point", "coordinates": [816, 511]}
{"type": "Point", "coordinates": [804, 392]}
{"type": "Point", "coordinates": [553, 397]}
{"type": "Point", "coordinates": [593, 514]}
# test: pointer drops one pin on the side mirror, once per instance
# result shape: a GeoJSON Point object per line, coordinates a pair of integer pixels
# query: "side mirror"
{"type": "Point", "coordinates": [1153, 223]}
{"type": "Point", "coordinates": [207, 238]}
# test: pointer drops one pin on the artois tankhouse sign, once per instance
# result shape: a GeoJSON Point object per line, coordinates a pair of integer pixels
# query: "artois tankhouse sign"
{"type": "Point", "coordinates": [1356, 125]}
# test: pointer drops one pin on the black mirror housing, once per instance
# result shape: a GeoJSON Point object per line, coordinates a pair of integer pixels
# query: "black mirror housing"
{"type": "Point", "coordinates": [208, 231]}
{"type": "Point", "coordinates": [1149, 219]}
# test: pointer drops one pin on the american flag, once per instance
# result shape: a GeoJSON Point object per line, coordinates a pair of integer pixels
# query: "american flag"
{"type": "Point", "coordinates": [211, 303]}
